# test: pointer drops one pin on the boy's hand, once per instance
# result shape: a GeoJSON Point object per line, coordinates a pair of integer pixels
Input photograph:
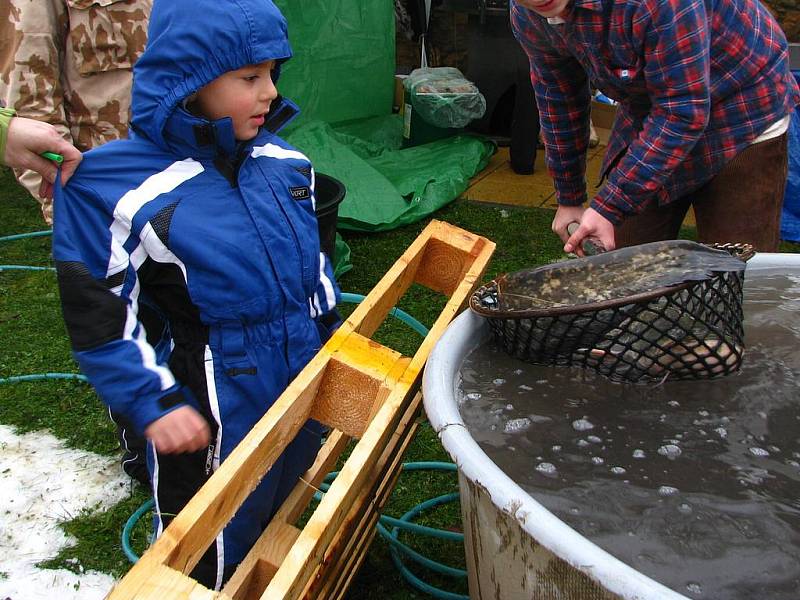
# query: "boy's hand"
{"type": "Point", "coordinates": [182, 430]}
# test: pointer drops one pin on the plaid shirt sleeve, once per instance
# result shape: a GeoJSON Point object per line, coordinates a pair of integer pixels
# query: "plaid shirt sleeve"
{"type": "Point", "coordinates": [676, 71]}
{"type": "Point", "coordinates": [562, 92]}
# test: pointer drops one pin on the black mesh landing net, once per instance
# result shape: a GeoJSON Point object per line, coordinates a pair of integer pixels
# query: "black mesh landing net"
{"type": "Point", "coordinates": [671, 308]}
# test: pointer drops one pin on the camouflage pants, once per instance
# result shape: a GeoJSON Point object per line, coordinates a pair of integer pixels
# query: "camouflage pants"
{"type": "Point", "coordinates": [69, 63]}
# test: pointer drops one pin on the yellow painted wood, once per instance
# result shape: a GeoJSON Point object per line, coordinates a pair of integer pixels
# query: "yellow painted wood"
{"type": "Point", "coordinates": [354, 378]}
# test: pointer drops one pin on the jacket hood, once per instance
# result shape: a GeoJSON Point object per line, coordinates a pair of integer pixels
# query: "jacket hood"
{"type": "Point", "coordinates": [192, 42]}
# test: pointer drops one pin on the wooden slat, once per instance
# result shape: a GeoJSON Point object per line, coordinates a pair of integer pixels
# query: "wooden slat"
{"type": "Point", "coordinates": [251, 576]}
{"type": "Point", "coordinates": [165, 582]}
{"type": "Point", "coordinates": [446, 261]}
{"type": "Point", "coordinates": [186, 538]}
{"type": "Point", "coordinates": [309, 549]}
{"type": "Point", "coordinates": [341, 572]}
{"type": "Point", "coordinates": [352, 383]}
{"type": "Point", "coordinates": [262, 562]}
{"type": "Point", "coordinates": [338, 583]}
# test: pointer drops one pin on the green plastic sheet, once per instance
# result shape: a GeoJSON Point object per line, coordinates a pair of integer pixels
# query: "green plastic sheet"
{"type": "Point", "coordinates": [342, 262]}
{"type": "Point", "coordinates": [343, 59]}
{"type": "Point", "coordinates": [342, 77]}
{"type": "Point", "coordinates": [389, 186]}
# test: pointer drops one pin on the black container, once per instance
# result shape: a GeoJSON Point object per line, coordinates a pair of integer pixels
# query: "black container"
{"type": "Point", "coordinates": [329, 193]}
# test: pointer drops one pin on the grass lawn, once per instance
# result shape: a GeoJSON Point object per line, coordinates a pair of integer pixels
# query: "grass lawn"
{"type": "Point", "coordinates": [33, 340]}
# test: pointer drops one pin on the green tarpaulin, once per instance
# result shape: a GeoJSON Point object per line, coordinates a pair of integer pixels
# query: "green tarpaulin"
{"type": "Point", "coordinates": [344, 58]}
{"type": "Point", "coordinates": [388, 186]}
{"type": "Point", "coordinates": [342, 77]}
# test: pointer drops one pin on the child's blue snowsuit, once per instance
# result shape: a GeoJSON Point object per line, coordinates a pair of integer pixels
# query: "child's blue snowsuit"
{"type": "Point", "coordinates": [220, 238]}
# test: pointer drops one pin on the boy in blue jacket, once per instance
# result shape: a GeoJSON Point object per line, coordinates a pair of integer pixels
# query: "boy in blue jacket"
{"type": "Point", "coordinates": [207, 217]}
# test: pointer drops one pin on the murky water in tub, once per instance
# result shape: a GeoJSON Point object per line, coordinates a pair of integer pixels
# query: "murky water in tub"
{"type": "Point", "coordinates": [696, 484]}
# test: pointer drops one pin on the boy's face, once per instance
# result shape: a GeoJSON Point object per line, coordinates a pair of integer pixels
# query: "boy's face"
{"type": "Point", "coordinates": [244, 95]}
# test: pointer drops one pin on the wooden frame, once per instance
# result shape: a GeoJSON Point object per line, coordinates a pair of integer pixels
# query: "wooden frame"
{"type": "Point", "coordinates": [360, 389]}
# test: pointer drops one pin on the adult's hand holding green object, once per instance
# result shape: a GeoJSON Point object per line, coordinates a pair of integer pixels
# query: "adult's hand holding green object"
{"type": "Point", "coordinates": [27, 139]}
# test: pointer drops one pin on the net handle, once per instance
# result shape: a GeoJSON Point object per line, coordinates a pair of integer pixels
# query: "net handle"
{"type": "Point", "coordinates": [591, 246]}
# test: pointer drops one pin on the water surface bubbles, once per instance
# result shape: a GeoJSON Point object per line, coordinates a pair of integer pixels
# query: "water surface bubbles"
{"type": "Point", "coordinates": [694, 588]}
{"type": "Point", "coordinates": [671, 451]}
{"type": "Point", "coordinates": [667, 490]}
{"type": "Point", "coordinates": [639, 453]}
{"type": "Point", "coordinates": [499, 381]}
{"type": "Point", "coordinates": [582, 425]}
{"type": "Point", "coordinates": [721, 432]}
{"type": "Point", "coordinates": [618, 470]}
{"type": "Point", "coordinates": [685, 509]}
{"type": "Point", "coordinates": [517, 425]}
{"type": "Point", "coordinates": [759, 452]}
{"type": "Point", "coordinates": [547, 469]}
{"type": "Point", "coordinates": [594, 439]}
{"type": "Point", "coordinates": [598, 460]}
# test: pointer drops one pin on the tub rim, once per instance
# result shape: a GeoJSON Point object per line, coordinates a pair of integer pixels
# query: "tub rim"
{"type": "Point", "coordinates": [440, 380]}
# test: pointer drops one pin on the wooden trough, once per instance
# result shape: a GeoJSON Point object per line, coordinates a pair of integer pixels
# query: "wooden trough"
{"type": "Point", "coordinates": [360, 389]}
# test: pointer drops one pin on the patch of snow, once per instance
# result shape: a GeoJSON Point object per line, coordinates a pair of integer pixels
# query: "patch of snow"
{"type": "Point", "coordinates": [42, 483]}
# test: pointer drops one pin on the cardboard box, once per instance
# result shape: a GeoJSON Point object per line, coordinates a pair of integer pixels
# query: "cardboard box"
{"type": "Point", "coordinates": [603, 119]}
{"type": "Point", "coordinates": [399, 92]}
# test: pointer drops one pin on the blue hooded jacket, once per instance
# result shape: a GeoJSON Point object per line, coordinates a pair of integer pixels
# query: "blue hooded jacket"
{"type": "Point", "coordinates": [218, 236]}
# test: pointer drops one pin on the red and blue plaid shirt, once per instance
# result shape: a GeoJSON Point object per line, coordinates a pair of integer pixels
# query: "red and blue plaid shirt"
{"type": "Point", "coordinates": [696, 80]}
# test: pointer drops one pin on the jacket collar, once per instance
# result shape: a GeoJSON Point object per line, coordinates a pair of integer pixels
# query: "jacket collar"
{"type": "Point", "coordinates": [189, 135]}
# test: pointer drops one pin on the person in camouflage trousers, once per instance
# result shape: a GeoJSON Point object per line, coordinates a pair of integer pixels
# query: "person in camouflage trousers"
{"type": "Point", "coordinates": [69, 63]}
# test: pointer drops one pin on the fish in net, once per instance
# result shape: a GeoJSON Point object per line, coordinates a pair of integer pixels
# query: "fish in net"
{"type": "Point", "coordinates": [671, 308]}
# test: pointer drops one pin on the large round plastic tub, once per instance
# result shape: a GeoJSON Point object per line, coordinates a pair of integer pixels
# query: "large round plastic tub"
{"type": "Point", "coordinates": [515, 548]}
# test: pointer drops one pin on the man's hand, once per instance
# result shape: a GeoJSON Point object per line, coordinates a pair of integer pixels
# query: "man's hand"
{"type": "Point", "coordinates": [27, 139]}
{"type": "Point", "coordinates": [564, 216]}
{"type": "Point", "coordinates": [592, 225]}
{"type": "Point", "coordinates": [182, 430]}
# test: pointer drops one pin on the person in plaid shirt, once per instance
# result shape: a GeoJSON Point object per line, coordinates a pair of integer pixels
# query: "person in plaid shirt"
{"type": "Point", "coordinates": [705, 93]}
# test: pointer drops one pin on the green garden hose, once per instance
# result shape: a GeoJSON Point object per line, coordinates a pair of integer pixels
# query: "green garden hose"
{"type": "Point", "coordinates": [22, 236]}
